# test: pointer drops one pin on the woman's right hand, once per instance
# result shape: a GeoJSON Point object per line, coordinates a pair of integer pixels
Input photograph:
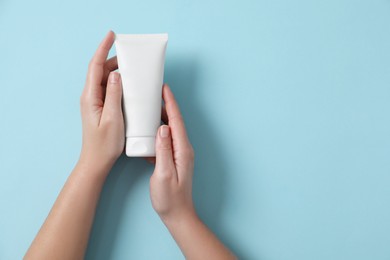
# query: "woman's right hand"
{"type": "Point", "coordinates": [171, 182]}
{"type": "Point", "coordinates": [171, 188]}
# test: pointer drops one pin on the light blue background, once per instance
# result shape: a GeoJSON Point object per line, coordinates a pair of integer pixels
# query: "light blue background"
{"type": "Point", "coordinates": [286, 103]}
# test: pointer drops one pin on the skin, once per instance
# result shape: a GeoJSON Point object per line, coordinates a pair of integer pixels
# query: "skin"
{"type": "Point", "coordinates": [66, 230]}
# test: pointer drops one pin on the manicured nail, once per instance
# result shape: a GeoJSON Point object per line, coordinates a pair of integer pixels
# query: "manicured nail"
{"type": "Point", "coordinates": [114, 77]}
{"type": "Point", "coordinates": [164, 132]}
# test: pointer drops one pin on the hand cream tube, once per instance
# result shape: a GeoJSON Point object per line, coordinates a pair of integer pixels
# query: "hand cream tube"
{"type": "Point", "coordinates": [141, 65]}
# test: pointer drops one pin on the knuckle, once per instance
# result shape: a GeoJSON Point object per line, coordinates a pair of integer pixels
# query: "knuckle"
{"type": "Point", "coordinates": [112, 89]}
{"type": "Point", "coordinates": [192, 154]}
{"type": "Point", "coordinates": [175, 118]}
{"type": "Point", "coordinates": [90, 64]}
{"type": "Point", "coordinates": [162, 174]}
{"type": "Point", "coordinates": [164, 146]}
{"type": "Point", "coordinates": [189, 153]}
{"type": "Point", "coordinates": [165, 176]}
{"type": "Point", "coordinates": [83, 100]}
{"type": "Point", "coordinates": [108, 121]}
{"type": "Point", "coordinates": [94, 62]}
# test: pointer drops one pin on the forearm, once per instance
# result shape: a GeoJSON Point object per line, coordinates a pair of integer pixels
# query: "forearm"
{"type": "Point", "coordinates": [195, 240]}
{"type": "Point", "coordinates": [65, 233]}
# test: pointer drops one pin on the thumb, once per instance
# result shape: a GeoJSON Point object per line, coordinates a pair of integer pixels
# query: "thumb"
{"type": "Point", "coordinates": [164, 156]}
{"type": "Point", "coordinates": [113, 100]}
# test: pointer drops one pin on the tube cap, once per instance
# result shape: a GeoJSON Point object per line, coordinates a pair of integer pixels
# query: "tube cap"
{"type": "Point", "coordinates": [140, 146]}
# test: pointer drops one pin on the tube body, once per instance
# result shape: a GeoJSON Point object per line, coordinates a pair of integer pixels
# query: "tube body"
{"type": "Point", "coordinates": [141, 65]}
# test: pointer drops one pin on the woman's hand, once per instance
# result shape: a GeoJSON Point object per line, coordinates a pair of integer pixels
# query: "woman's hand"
{"type": "Point", "coordinates": [65, 233]}
{"type": "Point", "coordinates": [171, 188]}
{"type": "Point", "coordinates": [101, 110]}
{"type": "Point", "coordinates": [171, 182]}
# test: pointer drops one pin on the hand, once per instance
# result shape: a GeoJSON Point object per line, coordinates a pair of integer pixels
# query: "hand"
{"type": "Point", "coordinates": [101, 110]}
{"type": "Point", "coordinates": [65, 233]}
{"type": "Point", "coordinates": [171, 188]}
{"type": "Point", "coordinates": [171, 182]}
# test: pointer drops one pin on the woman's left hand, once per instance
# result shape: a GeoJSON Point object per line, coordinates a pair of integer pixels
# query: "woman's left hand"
{"type": "Point", "coordinates": [101, 110]}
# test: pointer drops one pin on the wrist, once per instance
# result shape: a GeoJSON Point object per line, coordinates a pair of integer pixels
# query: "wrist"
{"type": "Point", "coordinates": [94, 169]}
{"type": "Point", "coordinates": [95, 162]}
{"type": "Point", "coordinates": [180, 218]}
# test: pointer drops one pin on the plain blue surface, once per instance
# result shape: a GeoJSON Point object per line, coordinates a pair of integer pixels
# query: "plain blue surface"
{"type": "Point", "coordinates": [286, 104]}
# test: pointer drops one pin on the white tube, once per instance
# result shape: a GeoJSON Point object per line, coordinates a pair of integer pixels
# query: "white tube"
{"type": "Point", "coordinates": [141, 65]}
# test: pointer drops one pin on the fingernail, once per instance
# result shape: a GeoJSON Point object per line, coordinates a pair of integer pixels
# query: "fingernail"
{"type": "Point", "coordinates": [114, 77]}
{"type": "Point", "coordinates": [164, 132]}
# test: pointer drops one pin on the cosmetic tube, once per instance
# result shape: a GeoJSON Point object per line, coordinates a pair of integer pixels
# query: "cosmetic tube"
{"type": "Point", "coordinates": [141, 65]}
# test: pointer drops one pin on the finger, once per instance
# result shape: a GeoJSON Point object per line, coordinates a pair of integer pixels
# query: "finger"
{"type": "Point", "coordinates": [110, 65]}
{"type": "Point", "coordinates": [96, 65]}
{"type": "Point", "coordinates": [113, 101]}
{"type": "Point", "coordinates": [164, 115]}
{"type": "Point", "coordinates": [175, 121]}
{"type": "Point", "coordinates": [165, 166]}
